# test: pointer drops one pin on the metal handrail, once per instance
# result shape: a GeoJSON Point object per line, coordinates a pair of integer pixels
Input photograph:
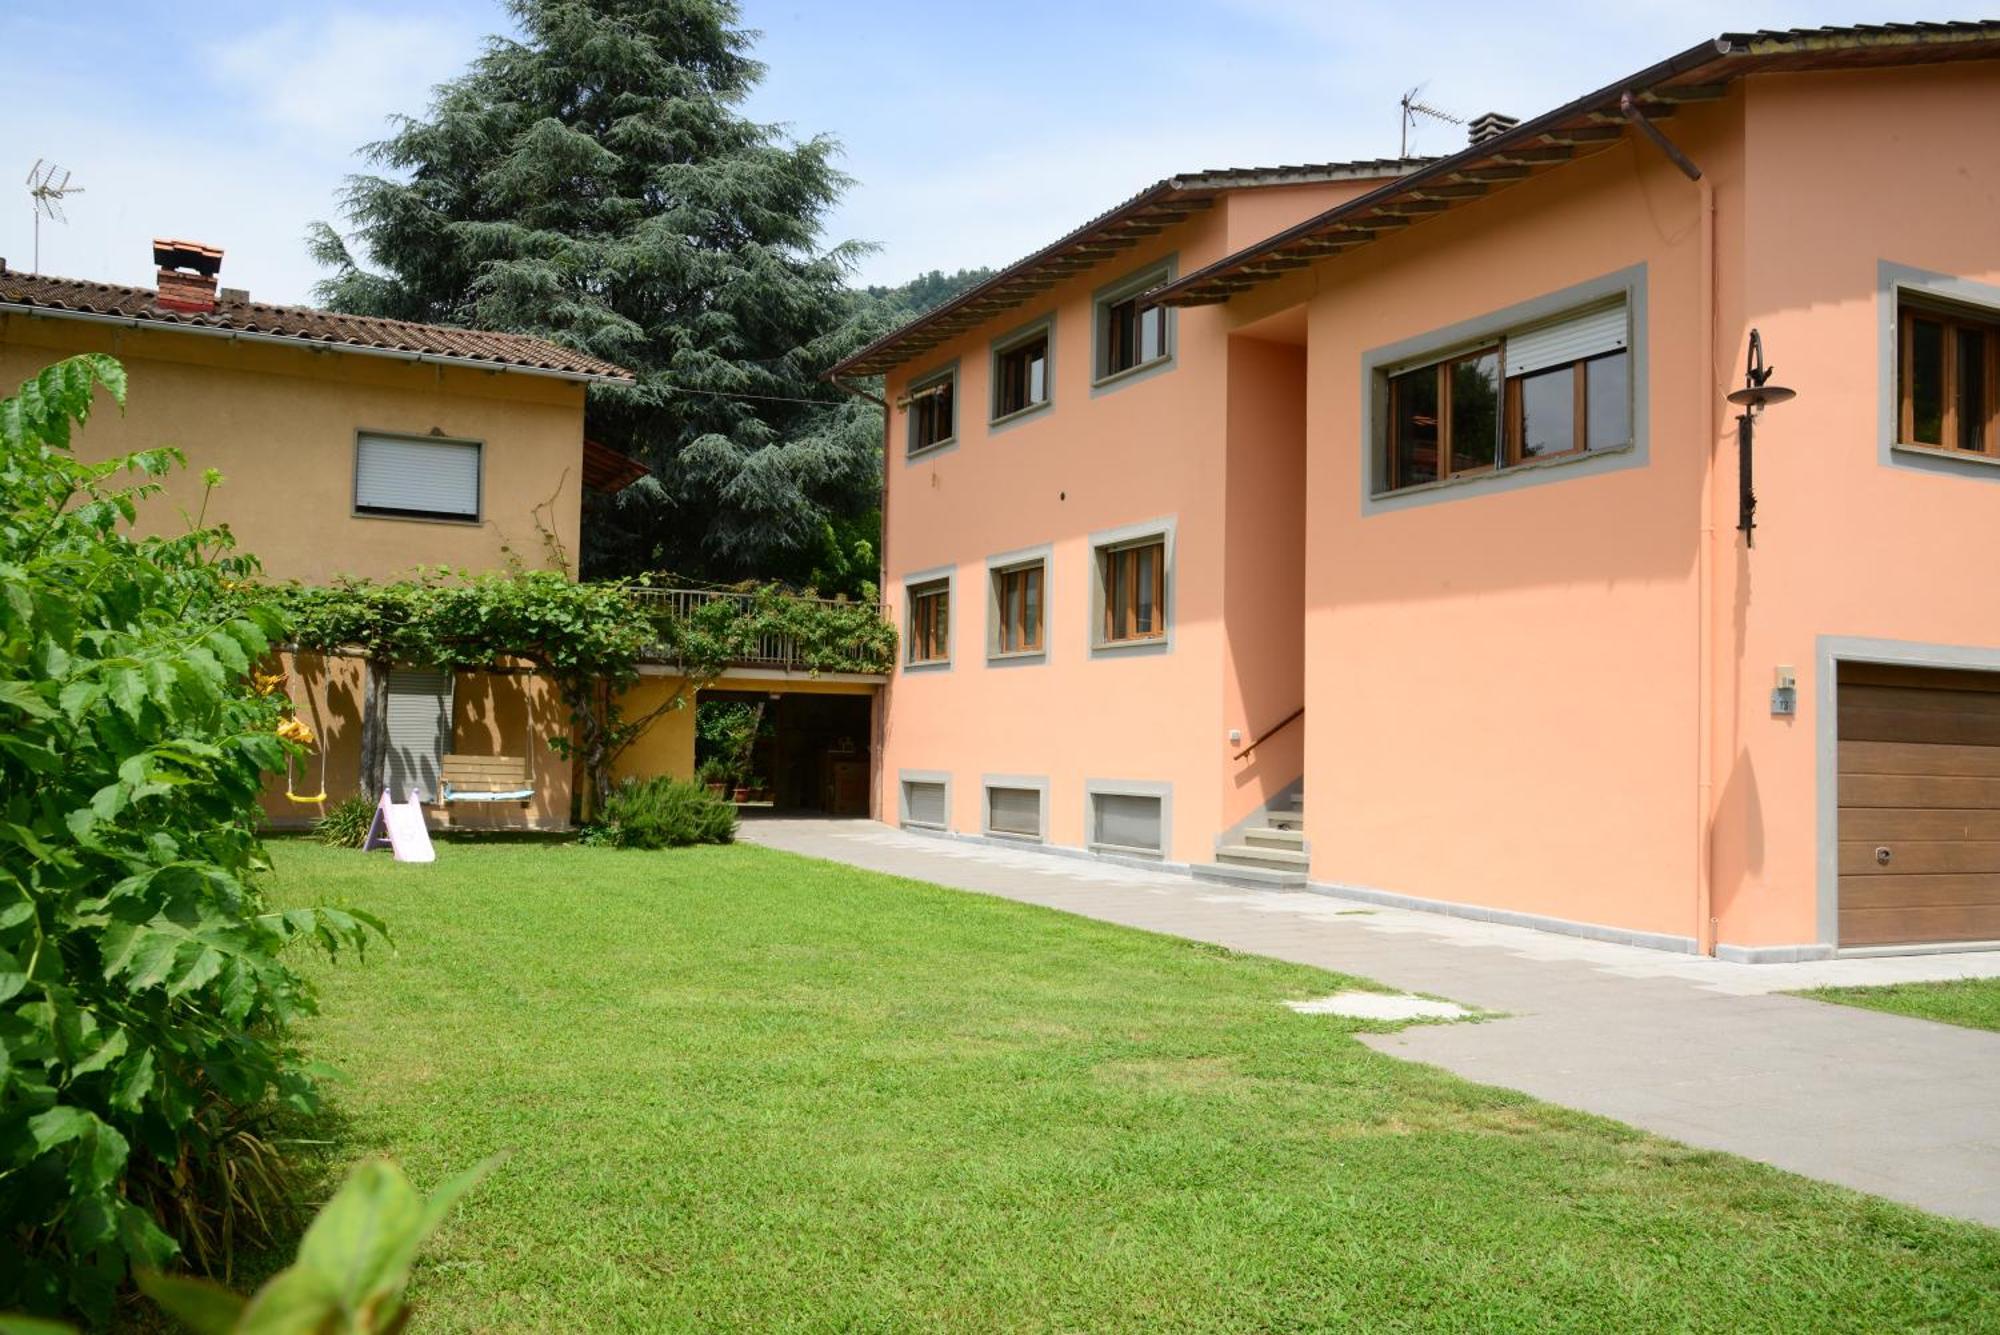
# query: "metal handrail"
{"type": "Point", "coordinates": [1272, 731]}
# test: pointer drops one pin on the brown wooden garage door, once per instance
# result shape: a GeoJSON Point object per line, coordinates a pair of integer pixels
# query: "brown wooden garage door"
{"type": "Point", "coordinates": [1919, 805]}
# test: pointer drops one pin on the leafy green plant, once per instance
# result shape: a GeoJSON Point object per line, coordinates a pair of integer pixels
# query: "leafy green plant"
{"type": "Point", "coordinates": [714, 770]}
{"type": "Point", "coordinates": [143, 1001]}
{"type": "Point", "coordinates": [346, 822]}
{"type": "Point", "coordinates": [663, 813]}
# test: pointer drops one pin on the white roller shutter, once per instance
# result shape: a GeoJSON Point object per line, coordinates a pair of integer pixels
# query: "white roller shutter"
{"type": "Point", "coordinates": [419, 730]}
{"type": "Point", "coordinates": [1014, 811]}
{"type": "Point", "coordinates": [433, 477]}
{"type": "Point", "coordinates": [1586, 334]}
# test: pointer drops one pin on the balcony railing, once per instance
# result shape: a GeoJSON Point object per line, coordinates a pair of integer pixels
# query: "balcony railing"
{"type": "Point", "coordinates": [830, 642]}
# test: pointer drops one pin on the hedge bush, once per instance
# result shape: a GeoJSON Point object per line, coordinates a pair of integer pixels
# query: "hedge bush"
{"type": "Point", "coordinates": [663, 813]}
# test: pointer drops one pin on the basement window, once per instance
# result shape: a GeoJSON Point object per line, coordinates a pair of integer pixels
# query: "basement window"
{"type": "Point", "coordinates": [1563, 387]}
{"type": "Point", "coordinates": [1948, 380]}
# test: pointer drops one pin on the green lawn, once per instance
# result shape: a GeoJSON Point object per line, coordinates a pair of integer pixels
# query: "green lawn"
{"type": "Point", "coordinates": [1972, 1002]}
{"type": "Point", "coordinates": [739, 1089]}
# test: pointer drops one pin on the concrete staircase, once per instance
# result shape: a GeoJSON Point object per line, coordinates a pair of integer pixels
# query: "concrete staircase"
{"type": "Point", "coordinates": [1271, 856]}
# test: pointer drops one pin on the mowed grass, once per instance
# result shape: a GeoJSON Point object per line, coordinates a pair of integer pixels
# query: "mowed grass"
{"type": "Point", "coordinates": [1972, 1002]}
{"type": "Point", "coordinates": [738, 1089]}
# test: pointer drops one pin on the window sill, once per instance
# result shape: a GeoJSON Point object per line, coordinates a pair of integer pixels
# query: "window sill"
{"type": "Point", "coordinates": [1490, 476]}
{"type": "Point", "coordinates": [1013, 838]}
{"type": "Point", "coordinates": [1017, 656]}
{"type": "Point", "coordinates": [928, 665]}
{"type": "Point", "coordinates": [1131, 373]}
{"type": "Point", "coordinates": [1152, 642]}
{"type": "Point", "coordinates": [1020, 414]}
{"type": "Point", "coordinates": [935, 447]}
{"type": "Point", "coordinates": [412, 517]}
{"type": "Point", "coordinates": [1941, 452]}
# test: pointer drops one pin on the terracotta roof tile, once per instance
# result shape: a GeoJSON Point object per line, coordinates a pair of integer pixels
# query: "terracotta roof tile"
{"type": "Point", "coordinates": [306, 325]}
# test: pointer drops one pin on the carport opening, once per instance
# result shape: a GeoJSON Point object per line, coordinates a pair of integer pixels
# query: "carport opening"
{"type": "Point", "coordinates": [780, 751]}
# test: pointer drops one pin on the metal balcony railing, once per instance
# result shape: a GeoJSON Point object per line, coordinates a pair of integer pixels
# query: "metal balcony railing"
{"type": "Point", "coordinates": [764, 651]}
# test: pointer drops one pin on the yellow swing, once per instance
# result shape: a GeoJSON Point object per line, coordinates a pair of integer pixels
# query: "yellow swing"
{"type": "Point", "coordinates": [295, 729]}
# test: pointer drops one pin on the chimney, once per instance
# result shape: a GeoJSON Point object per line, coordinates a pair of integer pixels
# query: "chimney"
{"type": "Point", "coordinates": [1490, 126]}
{"type": "Point", "coordinates": [187, 275]}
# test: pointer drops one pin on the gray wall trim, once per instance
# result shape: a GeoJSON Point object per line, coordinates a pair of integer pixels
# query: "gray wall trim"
{"type": "Point", "coordinates": [1044, 323]}
{"type": "Point", "coordinates": [1128, 788]}
{"type": "Point", "coordinates": [1165, 528]}
{"type": "Point", "coordinates": [949, 574]}
{"type": "Point", "coordinates": [1829, 652]}
{"type": "Point", "coordinates": [1680, 945]}
{"type": "Point", "coordinates": [1038, 782]}
{"type": "Point", "coordinates": [1153, 273]}
{"type": "Point", "coordinates": [949, 443]}
{"type": "Point", "coordinates": [1630, 282]}
{"type": "Point", "coordinates": [1891, 281]}
{"type": "Point", "coordinates": [1056, 850]}
{"type": "Point", "coordinates": [1772, 954]}
{"type": "Point", "coordinates": [1024, 556]}
{"type": "Point", "coordinates": [904, 776]}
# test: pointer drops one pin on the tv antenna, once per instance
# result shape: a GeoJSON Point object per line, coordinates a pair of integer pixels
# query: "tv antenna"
{"type": "Point", "coordinates": [1413, 108]}
{"type": "Point", "coordinates": [48, 185]}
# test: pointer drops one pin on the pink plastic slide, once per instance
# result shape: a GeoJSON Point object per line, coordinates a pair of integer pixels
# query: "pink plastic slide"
{"type": "Point", "coordinates": [401, 829]}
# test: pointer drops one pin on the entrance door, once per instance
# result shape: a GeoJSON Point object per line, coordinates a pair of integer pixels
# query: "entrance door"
{"type": "Point", "coordinates": [1919, 760]}
{"type": "Point", "coordinates": [419, 730]}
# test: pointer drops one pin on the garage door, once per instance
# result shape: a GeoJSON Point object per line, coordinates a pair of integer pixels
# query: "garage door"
{"type": "Point", "coordinates": [1919, 762]}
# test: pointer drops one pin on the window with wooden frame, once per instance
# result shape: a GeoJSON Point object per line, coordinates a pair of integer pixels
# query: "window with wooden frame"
{"type": "Point", "coordinates": [1133, 579]}
{"type": "Point", "coordinates": [1948, 380]}
{"type": "Point", "coordinates": [1021, 374]}
{"type": "Point", "coordinates": [1018, 609]}
{"type": "Point", "coordinates": [933, 411]}
{"type": "Point", "coordinates": [1132, 330]}
{"type": "Point", "coordinates": [929, 637]}
{"type": "Point", "coordinates": [1555, 389]}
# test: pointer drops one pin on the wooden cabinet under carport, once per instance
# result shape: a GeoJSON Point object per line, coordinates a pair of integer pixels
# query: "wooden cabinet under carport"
{"type": "Point", "coordinates": [1919, 765]}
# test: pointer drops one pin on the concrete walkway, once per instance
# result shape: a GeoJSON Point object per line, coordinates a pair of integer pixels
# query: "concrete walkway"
{"type": "Point", "coordinates": [1701, 1051]}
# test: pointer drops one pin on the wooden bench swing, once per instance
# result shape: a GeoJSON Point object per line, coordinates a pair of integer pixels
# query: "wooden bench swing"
{"type": "Point", "coordinates": [486, 779]}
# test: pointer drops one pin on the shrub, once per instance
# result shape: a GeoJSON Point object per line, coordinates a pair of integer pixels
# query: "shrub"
{"type": "Point", "coordinates": [143, 1001]}
{"type": "Point", "coordinates": [663, 813]}
{"type": "Point", "coordinates": [346, 822]}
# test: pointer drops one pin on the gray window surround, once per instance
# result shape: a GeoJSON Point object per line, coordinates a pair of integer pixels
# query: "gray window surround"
{"type": "Point", "coordinates": [1893, 281]}
{"type": "Point", "coordinates": [1829, 651]}
{"type": "Point", "coordinates": [1045, 325]}
{"type": "Point", "coordinates": [1149, 275]}
{"type": "Point", "coordinates": [909, 776]}
{"type": "Point", "coordinates": [1043, 556]}
{"type": "Point", "coordinates": [918, 581]}
{"type": "Point", "coordinates": [1038, 783]}
{"type": "Point", "coordinates": [1377, 364]}
{"type": "Point", "coordinates": [1095, 788]}
{"type": "Point", "coordinates": [414, 517]}
{"type": "Point", "coordinates": [1126, 536]}
{"type": "Point", "coordinates": [948, 371]}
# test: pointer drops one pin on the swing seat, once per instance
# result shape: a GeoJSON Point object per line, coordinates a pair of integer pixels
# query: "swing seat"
{"type": "Point", "coordinates": [485, 779]}
{"type": "Point", "coordinates": [306, 799]}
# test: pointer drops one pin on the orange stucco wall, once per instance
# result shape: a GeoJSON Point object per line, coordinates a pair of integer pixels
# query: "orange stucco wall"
{"type": "Point", "coordinates": [1845, 546]}
{"type": "Point", "coordinates": [280, 424]}
{"type": "Point", "coordinates": [1148, 449]}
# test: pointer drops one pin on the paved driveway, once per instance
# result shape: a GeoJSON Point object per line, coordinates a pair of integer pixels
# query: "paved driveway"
{"type": "Point", "coordinates": [1701, 1051]}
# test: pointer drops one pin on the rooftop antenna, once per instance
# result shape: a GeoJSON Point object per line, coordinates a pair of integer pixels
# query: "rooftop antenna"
{"type": "Point", "coordinates": [1412, 108]}
{"type": "Point", "coordinates": [48, 184]}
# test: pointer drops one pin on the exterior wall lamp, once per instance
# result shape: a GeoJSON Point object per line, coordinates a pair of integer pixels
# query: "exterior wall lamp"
{"type": "Point", "coordinates": [1756, 395]}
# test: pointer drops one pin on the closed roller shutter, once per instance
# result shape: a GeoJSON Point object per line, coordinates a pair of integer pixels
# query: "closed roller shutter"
{"type": "Point", "coordinates": [923, 803]}
{"type": "Point", "coordinates": [1128, 821]}
{"type": "Point", "coordinates": [1919, 760]}
{"type": "Point", "coordinates": [417, 477]}
{"type": "Point", "coordinates": [419, 731]}
{"type": "Point", "coordinates": [1014, 811]}
{"type": "Point", "coordinates": [1587, 334]}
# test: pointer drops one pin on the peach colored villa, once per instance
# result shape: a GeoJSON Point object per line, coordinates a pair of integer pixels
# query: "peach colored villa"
{"type": "Point", "coordinates": [1415, 486]}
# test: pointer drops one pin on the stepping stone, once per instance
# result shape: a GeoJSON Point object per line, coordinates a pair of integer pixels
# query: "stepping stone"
{"type": "Point", "coordinates": [1380, 1006]}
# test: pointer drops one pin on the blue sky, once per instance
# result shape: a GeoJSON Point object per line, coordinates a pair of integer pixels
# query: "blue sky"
{"type": "Point", "coordinates": [975, 132]}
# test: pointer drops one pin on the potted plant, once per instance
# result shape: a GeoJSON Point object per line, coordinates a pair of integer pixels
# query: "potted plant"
{"type": "Point", "coordinates": [713, 774]}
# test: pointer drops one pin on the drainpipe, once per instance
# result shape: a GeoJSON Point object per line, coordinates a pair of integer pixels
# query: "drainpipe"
{"type": "Point", "coordinates": [1704, 835]}
{"type": "Point", "coordinates": [880, 708]}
